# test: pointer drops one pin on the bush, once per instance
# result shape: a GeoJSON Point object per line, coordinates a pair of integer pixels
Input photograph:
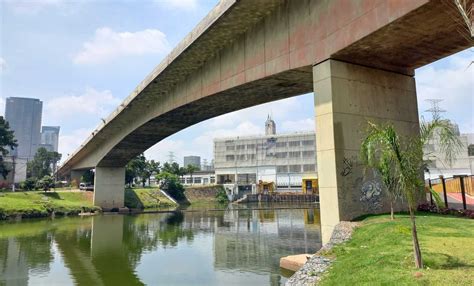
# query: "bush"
{"type": "Point", "coordinates": [446, 211]}
{"type": "Point", "coordinates": [45, 183]}
{"type": "Point", "coordinates": [171, 185]}
{"type": "Point", "coordinates": [29, 184]}
{"type": "Point", "coordinates": [221, 196]}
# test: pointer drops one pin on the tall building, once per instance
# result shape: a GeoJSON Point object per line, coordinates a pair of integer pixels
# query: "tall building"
{"type": "Point", "coordinates": [192, 160]}
{"type": "Point", "coordinates": [50, 137]}
{"type": "Point", "coordinates": [283, 159]}
{"type": "Point", "coordinates": [24, 117]}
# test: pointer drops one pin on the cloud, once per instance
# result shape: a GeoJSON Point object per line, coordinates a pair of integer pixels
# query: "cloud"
{"type": "Point", "coordinates": [178, 4]}
{"type": "Point", "coordinates": [161, 151]}
{"type": "Point", "coordinates": [306, 124]}
{"type": "Point", "coordinates": [90, 102]}
{"type": "Point", "coordinates": [32, 7]}
{"type": "Point", "coordinates": [2, 106]}
{"type": "Point", "coordinates": [452, 82]}
{"type": "Point", "coordinates": [108, 45]}
{"type": "Point", "coordinates": [68, 143]}
{"type": "Point", "coordinates": [3, 65]}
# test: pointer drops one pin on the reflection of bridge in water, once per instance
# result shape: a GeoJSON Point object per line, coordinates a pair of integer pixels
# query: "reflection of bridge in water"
{"type": "Point", "coordinates": [107, 250]}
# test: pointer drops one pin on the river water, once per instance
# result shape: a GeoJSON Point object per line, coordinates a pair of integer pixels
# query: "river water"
{"type": "Point", "coordinates": [235, 246]}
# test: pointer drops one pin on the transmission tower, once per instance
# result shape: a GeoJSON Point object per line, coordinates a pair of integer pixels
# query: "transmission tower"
{"type": "Point", "coordinates": [435, 110]}
{"type": "Point", "coordinates": [171, 157]}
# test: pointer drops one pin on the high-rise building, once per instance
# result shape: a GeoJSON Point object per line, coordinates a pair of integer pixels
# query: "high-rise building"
{"type": "Point", "coordinates": [50, 137]}
{"type": "Point", "coordinates": [24, 117]}
{"type": "Point", "coordinates": [192, 160]}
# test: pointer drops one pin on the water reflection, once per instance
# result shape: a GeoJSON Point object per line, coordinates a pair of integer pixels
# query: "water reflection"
{"type": "Point", "coordinates": [232, 247]}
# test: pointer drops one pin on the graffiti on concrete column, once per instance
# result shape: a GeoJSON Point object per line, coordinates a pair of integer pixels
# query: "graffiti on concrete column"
{"type": "Point", "coordinates": [346, 167]}
{"type": "Point", "coordinates": [371, 194]}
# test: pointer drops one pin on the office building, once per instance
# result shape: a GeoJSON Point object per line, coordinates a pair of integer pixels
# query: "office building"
{"type": "Point", "coordinates": [50, 137]}
{"type": "Point", "coordinates": [24, 117]}
{"type": "Point", "coordinates": [192, 160]}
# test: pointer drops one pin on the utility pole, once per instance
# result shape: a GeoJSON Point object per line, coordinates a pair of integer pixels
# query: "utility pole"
{"type": "Point", "coordinates": [171, 157]}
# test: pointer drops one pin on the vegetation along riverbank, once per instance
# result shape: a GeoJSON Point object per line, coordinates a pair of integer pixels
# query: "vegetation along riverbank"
{"type": "Point", "coordinates": [381, 252]}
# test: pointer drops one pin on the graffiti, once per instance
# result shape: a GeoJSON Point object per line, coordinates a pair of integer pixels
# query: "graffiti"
{"type": "Point", "coordinates": [371, 191]}
{"type": "Point", "coordinates": [347, 167]}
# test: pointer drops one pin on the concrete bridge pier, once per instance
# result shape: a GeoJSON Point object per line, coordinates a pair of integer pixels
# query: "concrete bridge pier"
{"type": "Point", "coordinates": [347, 96]}
{"type": "Point", "coordinates": [109, 187]}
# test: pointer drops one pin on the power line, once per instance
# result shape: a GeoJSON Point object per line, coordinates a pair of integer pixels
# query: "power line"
{"type": "Point", "coordinates": [435, 109]}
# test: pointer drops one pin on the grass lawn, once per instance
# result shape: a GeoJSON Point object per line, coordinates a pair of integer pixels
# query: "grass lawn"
{"type": "Point", "coordinates": [145, 198]}
{"type": "Point", "coordinates": [380, 253]}
{"type": "Point", "coordinates": [39, 204]}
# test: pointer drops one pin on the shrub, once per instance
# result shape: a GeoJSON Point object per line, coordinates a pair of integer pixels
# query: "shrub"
{"type": "Point", "coordinates": [45, 183]}
{"type": "Point", "coordinates": [29, 184]}
{"type": "Point", "coordinates": [171, 185]}
{"type": "Point", "coordinates": [221, 196]}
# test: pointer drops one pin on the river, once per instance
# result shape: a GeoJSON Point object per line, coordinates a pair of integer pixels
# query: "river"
{"type": "Point", "coordinates": [236, 246]}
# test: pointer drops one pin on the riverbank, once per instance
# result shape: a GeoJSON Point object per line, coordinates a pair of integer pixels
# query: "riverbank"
{"type": "Point", "coordinates": [36, 204]}
{"type": "Point", "coordinates": [380, 252]}
{"type": "Point", "coordinates": [147, 198]}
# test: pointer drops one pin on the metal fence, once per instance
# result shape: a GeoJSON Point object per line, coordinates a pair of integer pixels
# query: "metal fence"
{"type": "Point", "coordinates": [461, 184]}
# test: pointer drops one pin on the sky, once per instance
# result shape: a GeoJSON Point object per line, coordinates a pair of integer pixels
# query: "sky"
{"type": "Point", "coordinates": [82, 58]}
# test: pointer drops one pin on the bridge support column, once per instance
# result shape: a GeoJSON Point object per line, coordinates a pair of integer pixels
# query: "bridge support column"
{"type": "Point", "coordinates": [347, 96]}
{"type": "Point", "coordinates": [109, 187]}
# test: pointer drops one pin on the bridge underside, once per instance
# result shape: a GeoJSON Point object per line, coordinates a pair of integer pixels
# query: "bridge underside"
{"type": "Point", "coordinates": [358, 57]}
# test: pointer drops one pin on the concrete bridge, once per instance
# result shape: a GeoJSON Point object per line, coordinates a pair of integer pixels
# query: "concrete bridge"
{"type": "Point", "coordinates": [357, 56]}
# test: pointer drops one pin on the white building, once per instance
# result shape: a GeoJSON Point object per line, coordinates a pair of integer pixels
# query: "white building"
{"type": "Point", "coordinates": [280, 158]}
{"type": "Point", "coordinates": [462, 165]}
{"type": "Point", "coordinates": [199, 178]}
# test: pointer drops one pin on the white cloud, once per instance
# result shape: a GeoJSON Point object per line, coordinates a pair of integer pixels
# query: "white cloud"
{"type": "Point", "coordinates": [91, 102]}
{"type": "Point", "coordinates": [2, 106]}
{"type": "Point", "coordinates": [3, 65]}
{"type": "Point", "coordinates": [160, 151]}
{"type": "Point", "coordinates": [452, 82]}
{"type": "Point", "coordinates": [32, 7]}
{"type": "Point", "coordinates": [178, 4]}
{"type": "Point", "coordinates": [68, 143]}
{"type": "Point", "coordinates": [108, 45]}
{"type": "Point", "coordinates": [306, 124]}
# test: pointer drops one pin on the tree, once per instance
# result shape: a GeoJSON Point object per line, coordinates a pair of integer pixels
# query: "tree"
{"type": "Point", "coordinates": [42, 163]}
{"type": "Point", "coordinates": [45, 183]}
{"type": "Point", "coordinates": [190, 169]}
{"type": "Point", "coordinates": [404, 157]}
{"type": "Point", "coordinates": [170, 184]}
{"type": "Point", "coordinates": [88, 177]}
{"type": "Point", "coordinates": [29, 184]}
{"type": "Point", "coordinates": [152, 167]}
{"type": "Point", "coordinates": [7, 140]}
{"type": "Point", "coordinates": [172, 168]}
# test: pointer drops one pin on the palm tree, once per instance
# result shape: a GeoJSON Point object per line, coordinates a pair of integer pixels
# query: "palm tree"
{"type": "Point", "coordinates": [401, 159]}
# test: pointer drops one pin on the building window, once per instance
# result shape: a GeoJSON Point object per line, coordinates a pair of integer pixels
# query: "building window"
{"type": "Point", "coordinates": [251, 156]}
{"type": "Point", "coordinates": [240, 147]}
{"type": "Point", "coordinates": [230, 148]}
{"type": "Point", "coordinates": [241, 157]}
{"type": "Point", "coordinates": [280, 155]}
{"type": "Point", "coordinates": [205, 181]}
{"type": "Point", "coordinates": [188, 181]}
{"type": "Point", "coordinates": [470, 150]}
{"type": "Point", "coordinates": [197, 180]}
{"type": "Point", "coordinates": [309, 168]}
{"type": "Point", "coordinates": [295, 168]}
{"type": "Point", "coordinates": [213, 180]}
{"type": "Point", "coordinates": [281, 144]}
{"type": "Point", "coordinates": [229, 158]}
{"type": "Point", "coordinates": [308, 142]}
{"type": "Point", "coordinates": [295, 154]}
{"type": "Point", "coordinates": [250, 146]}
{"type": "Point", "coordinates": [282, 169]}
{"type": "Point", "coordinates": [308, 154]}
{"type": "Point", "coordinates": [294, 143]}
{"type": "Point", "coordinates": [182, 180]}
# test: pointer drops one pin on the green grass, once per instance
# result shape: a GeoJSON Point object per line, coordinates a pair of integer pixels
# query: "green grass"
{"type": "Point", "coordinates": [145, 198]}
{"type": "Point", "coordinates": [40, 204]}
{"type": "Point", "coordinates": [380, 253]}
